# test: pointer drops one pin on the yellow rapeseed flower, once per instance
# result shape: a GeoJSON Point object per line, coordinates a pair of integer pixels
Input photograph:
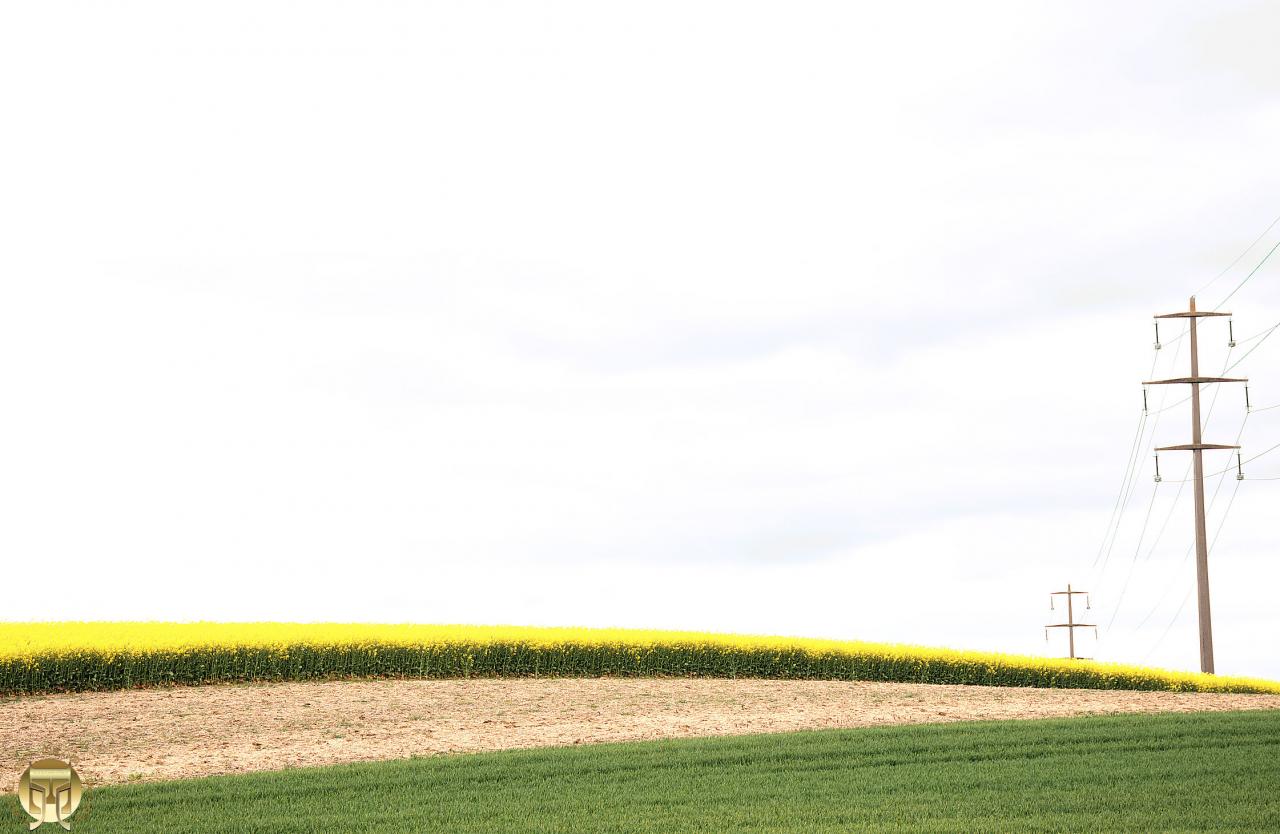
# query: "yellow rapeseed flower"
{"type": "Point", "coordinates": [40, 644]}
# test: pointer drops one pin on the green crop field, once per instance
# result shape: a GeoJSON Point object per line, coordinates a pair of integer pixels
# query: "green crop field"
{"type": "Point", "coordinates": [1189, 772]}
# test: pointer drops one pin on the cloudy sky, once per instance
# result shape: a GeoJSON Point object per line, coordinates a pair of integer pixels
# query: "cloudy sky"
{"type": "Point", "coordinates": [796, 318]}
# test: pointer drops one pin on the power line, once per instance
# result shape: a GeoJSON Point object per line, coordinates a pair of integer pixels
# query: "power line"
{"type": "Point", "coordinates": [1183, 604]}
{"type": "Point", "coordinates": [1115, 612]}
{"type": "Point", "coordinates": [1239, 257]}
{"type": "Point", "coordinates": [1126, 492]}
{"type": "Point", "coordinates": [1250, 275]}
{"type": "Point", "coordinates": [1259, 333]}
{"type": "Point", "coordinates": [1146, 521]}
{"type": "Point", "coordinates": [1265, 335]}
{"type": "Point", "coordinates": [1124, 482]}
{"type": "Point", "coordinates": [1222, 522]}
{"type": "Point", "coordinates": [1213, 502]}
{"type": "Point", "coordinates": [1173, 405]}
{"type": "Point", "coordinates": [1226, 512]}
{"type": "Point", "coordinates": [1255, 457]}
{"type": "Point", "coordinates": [1173, 505]}
{"type": "Point", "coordinates": [1128, 485]}
{"type": "Point", "coordinates": [1138, 549]}
{"type": "Point", "coordinates": [1165, 633]}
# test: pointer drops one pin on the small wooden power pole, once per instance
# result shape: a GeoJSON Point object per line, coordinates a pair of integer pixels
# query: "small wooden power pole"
{"type": "Point", "coordinates": [1070, 625]}
{"type": "Point", "coordinates": [1197, 447]}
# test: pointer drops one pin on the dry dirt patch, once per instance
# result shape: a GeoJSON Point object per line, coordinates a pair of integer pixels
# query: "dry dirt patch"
{"type": "Point", "coordinates": [199, 731]}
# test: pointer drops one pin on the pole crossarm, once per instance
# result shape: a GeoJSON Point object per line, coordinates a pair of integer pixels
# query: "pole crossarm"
{"type": "Point", "coordinates": [1193, 447]}
{"type": "Point", "coordinates": [1193, 314]}
{"type": "Point", "coordinates": [1072, 625]}
{"type": "Point", "coordinates": [1193, 380]}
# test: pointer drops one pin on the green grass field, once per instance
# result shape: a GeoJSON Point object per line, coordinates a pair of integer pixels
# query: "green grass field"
{"type": "Point", "coordinates": [1192, 772]}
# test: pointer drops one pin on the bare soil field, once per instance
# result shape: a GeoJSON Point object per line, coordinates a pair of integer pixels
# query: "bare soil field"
{"type": "Point", "coordinates": [157, 734]}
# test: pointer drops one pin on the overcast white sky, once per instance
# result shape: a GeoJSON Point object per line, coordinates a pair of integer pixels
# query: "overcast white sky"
{"type": "Point", "coordinates": [797, 318]}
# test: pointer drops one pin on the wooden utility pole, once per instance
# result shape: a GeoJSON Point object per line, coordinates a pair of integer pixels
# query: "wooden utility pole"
{"type": "Point", "coordinates": [1070, 625]}
{"type": "Point", "coordinates": [1197, 447]}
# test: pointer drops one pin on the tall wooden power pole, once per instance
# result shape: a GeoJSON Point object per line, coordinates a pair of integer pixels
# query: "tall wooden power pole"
{"type": "Point", "coordinates": [1070, 625]}
{"type": "Point", "coordinates": [1197, 447]}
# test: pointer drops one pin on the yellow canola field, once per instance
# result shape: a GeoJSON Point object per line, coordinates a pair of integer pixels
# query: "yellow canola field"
{"type": "Point", "coordinates": [44, 656]}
